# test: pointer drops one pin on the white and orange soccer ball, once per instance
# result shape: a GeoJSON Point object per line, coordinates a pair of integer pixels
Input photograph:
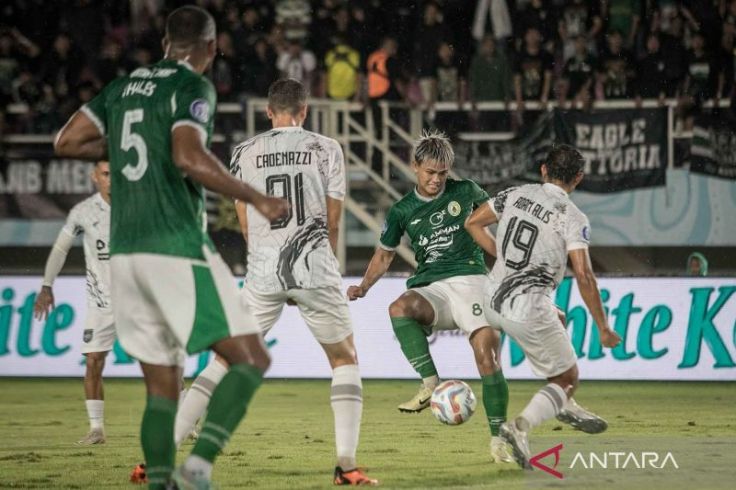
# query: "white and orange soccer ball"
{"type": "Point", "coordinates": [453, 402]}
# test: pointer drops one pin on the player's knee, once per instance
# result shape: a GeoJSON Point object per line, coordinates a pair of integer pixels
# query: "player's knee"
{"type": "Point", "coordinates": [95, 362]}
{"type": "Point", "coordinates": [398, 309]}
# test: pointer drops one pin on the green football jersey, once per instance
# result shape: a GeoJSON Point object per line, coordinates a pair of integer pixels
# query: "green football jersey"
{"type": "Point", "coordinates": [442, 247]}
{"type": "Point", "coordinates": [155, 207]}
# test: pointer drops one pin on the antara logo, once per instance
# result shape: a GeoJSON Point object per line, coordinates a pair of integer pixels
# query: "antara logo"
{"type": "Point", "coordinates": [617, 460]}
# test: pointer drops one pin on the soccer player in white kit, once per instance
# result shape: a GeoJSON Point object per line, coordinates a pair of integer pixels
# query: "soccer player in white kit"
{"type": "Point", "coordinates": [539, 227]}
{"type": "Point", "coordinates": [90, 217]}
{"type": "Point", "coordinates": [292, 260]}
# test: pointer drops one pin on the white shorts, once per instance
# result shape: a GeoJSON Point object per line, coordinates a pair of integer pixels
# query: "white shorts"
{"type": "Point", "coordinates": [165, 304]}
{"type": "Point", "coordinates": [99, 331]}
{"type": "Point", "coordinates": [457, 302]}
{"type": "Point", "coordinates": [324, 310]}
{"type": "Point", "coordinates": [545, 341]}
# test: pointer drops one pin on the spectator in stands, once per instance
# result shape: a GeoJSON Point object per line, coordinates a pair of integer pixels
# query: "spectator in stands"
{"type": "Point", "coordinates": [539, 17]}
{"type": "Point", "coordinates": [674, 56]}
{"type": "Point", "coordinates": [449, 85]}
{"type": "Point", "coordinates": [428, 37]}
{"type": "Point", "coordinates": [384, 83]}
{"type": "Point", "coordinates": [499, 14]}
{"type": "Point", "coordinates": [533, 71]}
{"type": "Point", "coordinates": [703, 81]}
{"type": "Point", "coordinates": [651, 82]}
{"type": "Point", "coordinates": [697, 265]}
{"type": "Point", "coordinates": [616, 70]}
{"type": "Point", "coordinates": [343, 71]}
{"type": "Point", "coordinates": [578, 18]}
{"type": "Point", "coordinates": [448, 81]}
{"type": "Point", "coordinates": [62, 67]}
{"type": "Point", "coordinates": [624, 16]}
{"type": "Point", "coordinates": [226, 69]}
{"type": "Point", "coordinates": [294, 16]}
{"type": "Point", "coordinates": [490, 73]}
{"type": "Point", "coordinates": [702, 16]}
{"type": "Point", "coordinates": [111, 63]}
{"type": "Point", "coordinates": [248, 32]}
{"type": "Point", "coordinates": [297, 63]}
{"type": "Point", "coordinates": [578, 76]}
{"type": "Point", "coordinates": [260, 69]}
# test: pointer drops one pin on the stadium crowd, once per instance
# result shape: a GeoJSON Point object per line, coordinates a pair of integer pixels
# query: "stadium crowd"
{"type": "Point", "coordinates": [56, 55]}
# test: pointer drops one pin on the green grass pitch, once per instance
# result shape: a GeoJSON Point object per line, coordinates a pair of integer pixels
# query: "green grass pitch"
{"type": "Point", "coordinates": [286, 440]}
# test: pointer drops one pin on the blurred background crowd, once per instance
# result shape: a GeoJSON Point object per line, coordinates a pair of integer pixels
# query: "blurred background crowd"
{"type": "Point", "coordinates": [54, 56]}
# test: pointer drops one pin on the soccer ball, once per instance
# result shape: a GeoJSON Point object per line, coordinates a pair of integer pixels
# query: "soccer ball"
{"type": "Point", "coordinates": [453, 402]}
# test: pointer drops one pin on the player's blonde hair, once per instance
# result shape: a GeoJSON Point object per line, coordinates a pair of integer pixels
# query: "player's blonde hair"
{"type": "Point", "coordinates": [435, 146]}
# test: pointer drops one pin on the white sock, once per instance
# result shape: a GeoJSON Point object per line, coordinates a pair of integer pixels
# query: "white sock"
{"type": "Point", "coordinates": [198, 466]}
{"type": "Point", "coordinates": [544, 405]}
{"type": "Point", "coordinates": [182, 395]}
{"type": "Point", "coordinates": [431, 382]}
{"type": "Point", "coordinates": [196, 401]}
{"type": "Point", "coordinates": [96, 413]}
{"type": "Point", "coordinates": [346, 397]}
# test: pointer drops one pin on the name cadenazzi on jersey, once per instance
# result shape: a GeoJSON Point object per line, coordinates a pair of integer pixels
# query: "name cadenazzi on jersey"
{"type": "Point", "coordinates": [304, 168]}
{"type": "Point", "coordinates": [92, 217]}
{"type": "Point", "coordinates": [538, 226]}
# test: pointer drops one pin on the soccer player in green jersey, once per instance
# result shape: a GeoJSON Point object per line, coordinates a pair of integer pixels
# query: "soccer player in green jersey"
{"type": "Point", "coordinates": [446, 292]}
{"type": "Point", "coordinates": [170, 288]}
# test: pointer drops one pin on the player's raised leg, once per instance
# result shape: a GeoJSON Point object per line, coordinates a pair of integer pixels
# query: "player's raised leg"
{"type": "Point", "coordinates": [248, 360]}
{"type": "Point", "coordinates": [411, 314]}
{"type": "Point", "coordinates": [197, 398]}
{"type": "Point", "coordinates": [486, 346]}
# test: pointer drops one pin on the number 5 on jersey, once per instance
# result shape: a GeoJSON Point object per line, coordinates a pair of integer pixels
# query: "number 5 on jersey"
{"type": "Point", "coordinates": [135, 141]}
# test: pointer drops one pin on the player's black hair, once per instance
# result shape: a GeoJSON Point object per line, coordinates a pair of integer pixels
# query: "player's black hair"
{"type": "Point", "coordinates": [189, 25]}
{"type": "Point", "coordinates": [564, 163]}
{"type": "Point", "coordinates": [287, 95]}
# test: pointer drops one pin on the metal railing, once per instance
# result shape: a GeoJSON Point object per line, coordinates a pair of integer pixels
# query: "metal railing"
{"type": "Point", "coordinates": [352, 125]}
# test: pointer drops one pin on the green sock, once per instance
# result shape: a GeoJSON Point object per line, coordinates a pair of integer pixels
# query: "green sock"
{"type": "Point", "coordinates": [226, 409]}
{"type": "Point", "coordinates": [495, 399]}
{"type": "Point", "coordinates": [413, 340]}
{"type": "Point", "coordinates": [157, 439]}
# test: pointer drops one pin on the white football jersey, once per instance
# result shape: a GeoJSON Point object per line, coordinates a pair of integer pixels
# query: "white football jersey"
{"type": "Point", "coordinates": [92, 217]}
{"type": "Point", "coordinates": [304, 168]}
{"type": "Point", "coordinates": [538, 225]}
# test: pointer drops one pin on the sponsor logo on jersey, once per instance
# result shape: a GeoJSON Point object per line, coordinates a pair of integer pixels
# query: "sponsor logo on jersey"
{"type": "Point", "coordinates": [586, 232]}
{"type": "Point", "coordinates": [200, 110]}
{"type": "Point", "coordinates": [437, 218]}
{"type": "Point", "coordinates": [454, 208]}
{"type": "Point", "coordinates": [414, 222]}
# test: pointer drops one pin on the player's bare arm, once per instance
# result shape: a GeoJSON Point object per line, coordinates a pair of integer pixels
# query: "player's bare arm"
{"type": "Point", "coordinates": [80, 138]}
{"type": "Point", "coordinates": [241, 210]}
{"type": "Point", "coordinates": [588, 287]}
{"type": "Point", "coordinates": [193, 158]}
{"type": "Point", "coordinates": [377, 267]}
{"type": "Point", "coordinates": [334, 214]}
{"type": "Point", "coordinates": [476, 226]}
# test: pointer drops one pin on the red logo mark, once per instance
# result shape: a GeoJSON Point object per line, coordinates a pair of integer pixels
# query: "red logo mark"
{"type": "Point", "coordinates": [535, 461]}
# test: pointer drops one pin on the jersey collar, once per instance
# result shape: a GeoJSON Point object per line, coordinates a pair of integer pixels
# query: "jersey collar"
{"type": "Point", "coordinates": [102, 202]}
{"type": "Point", "coordinates": [428, 199]}
{"type": "Point", "coordinates": [554, 189]}
{"type": "Point", "coordinates": [185, 64]}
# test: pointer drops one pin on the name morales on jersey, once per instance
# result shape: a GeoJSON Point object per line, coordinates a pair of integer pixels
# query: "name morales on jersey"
{"type": "Point", "coordinates": [284, 158]}
{"type": "Point", "coordinates": [533, 208]}
{"type": "Point", "coordinates": [139, 88]}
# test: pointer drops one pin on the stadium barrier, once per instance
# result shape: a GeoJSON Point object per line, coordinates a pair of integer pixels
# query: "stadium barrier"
{"type": "Point", "coordinates": [672, 329]}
